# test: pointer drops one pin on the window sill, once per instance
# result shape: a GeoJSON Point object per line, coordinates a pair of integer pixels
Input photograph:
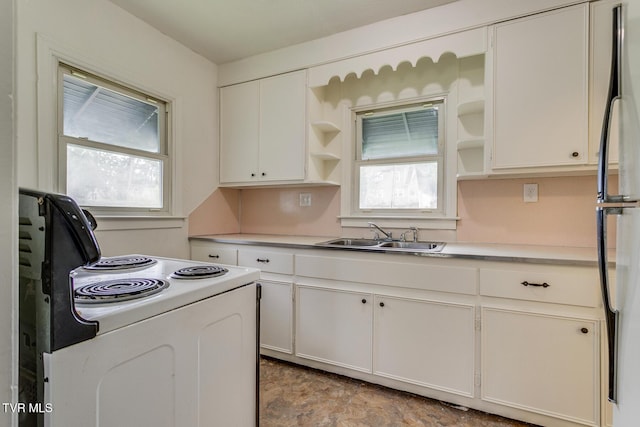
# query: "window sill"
{"type": "Point", "coordinates": [433, 223]}
{"type": "Point", "coordinates": [112, 223]}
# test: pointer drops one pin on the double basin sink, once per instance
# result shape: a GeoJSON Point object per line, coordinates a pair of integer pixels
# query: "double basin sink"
{"type": "Point", "coordinates": [382, 245]}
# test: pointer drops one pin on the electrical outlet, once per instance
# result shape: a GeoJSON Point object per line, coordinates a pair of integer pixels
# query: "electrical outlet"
{"type": "Point", "coordinates": [305, 199]}
{"type": "Point", "coordinates": [530, 193]}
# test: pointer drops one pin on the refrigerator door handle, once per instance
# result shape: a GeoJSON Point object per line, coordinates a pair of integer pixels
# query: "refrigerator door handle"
{"type": "Point", "coordinates": [611, 315]}
{"type": "Point", "coordinates": [612, 97]}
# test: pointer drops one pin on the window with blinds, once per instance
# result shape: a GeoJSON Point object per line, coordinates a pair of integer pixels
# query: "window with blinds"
{"type": "Point", "coordinates": [113, 144]}
{"type": "Point", "coordinates": [399, 159]}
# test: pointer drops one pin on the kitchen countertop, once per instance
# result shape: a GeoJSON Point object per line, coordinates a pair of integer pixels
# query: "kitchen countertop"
{"type": "Point", "coordinates": [485, 251]}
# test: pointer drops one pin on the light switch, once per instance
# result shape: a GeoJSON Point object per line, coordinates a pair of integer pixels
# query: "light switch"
{"type": "Point", "coordinates": [530, 193]}
{"type": "Point", "coordinates": [305, 199]}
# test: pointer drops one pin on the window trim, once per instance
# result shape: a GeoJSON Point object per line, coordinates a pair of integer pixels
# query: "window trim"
{"type": "Point", "coordinates": [439, 157]}
{"type": "Point", "coordinates": [447, 219]}
{"type": "Point", "coordinates": [356, 161]}
{"type": "Point", "coordinates": [165, 154]}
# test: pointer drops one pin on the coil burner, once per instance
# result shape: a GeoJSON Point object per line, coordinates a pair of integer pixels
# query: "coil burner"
{"type": "Point", "coordinates": [121, 263]}
{"type": "Point", "coordinates": [199, 272]}
{"type": "Point", "coordinates": [118, 290]}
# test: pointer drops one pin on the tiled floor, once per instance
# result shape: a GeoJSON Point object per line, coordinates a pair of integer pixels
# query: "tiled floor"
{"type": "Point", "coordinates": [296, 396]}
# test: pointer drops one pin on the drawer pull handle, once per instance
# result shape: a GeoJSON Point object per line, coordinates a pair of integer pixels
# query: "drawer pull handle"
{"type": "Point", "coordinates": [214, 256]}
{"type": "Point", "coordinates": [544, 285]}
{"type": "Point", "coordinates": [263, 260]}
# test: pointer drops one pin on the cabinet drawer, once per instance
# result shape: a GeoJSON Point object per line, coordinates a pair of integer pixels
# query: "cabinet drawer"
{"type": "Point", "coordinates": [272, 262]}
{"type": "Point", "coordinates": [214, 254]}
{"type": "Point", "coordinates": [417, 275]}
{"type": "Point", "coordinates": [561, 285]}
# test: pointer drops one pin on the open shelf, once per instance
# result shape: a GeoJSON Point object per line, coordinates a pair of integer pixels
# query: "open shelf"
{"type": "Point", "coordinates": [325, 156]}
{"type": "Point", "coordinates": [475, 106]}
{"type": "Point", "coordinates": [469, 143]}
{"type": "Point", "coordinates": [325, 126]}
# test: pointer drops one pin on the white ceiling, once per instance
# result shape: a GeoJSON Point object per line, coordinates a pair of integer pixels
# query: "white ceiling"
{"type": "Point", "coordinates": [227, 30]}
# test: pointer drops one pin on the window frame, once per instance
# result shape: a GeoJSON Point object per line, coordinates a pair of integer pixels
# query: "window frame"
{"type": "Point", "coordinates": [164, 155]}
{"type": "Point", "coordinates": [439, 158]}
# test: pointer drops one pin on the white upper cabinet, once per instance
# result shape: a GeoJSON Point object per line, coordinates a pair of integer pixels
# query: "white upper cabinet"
{"type": "Point", "coordinates": [263, 130]}
{"type": "Point", "coordinates": [282, 126]}
{"type": "Point", "coordinates": [239, 130]}
{"type": "Point", "coordinates": [540, 90]}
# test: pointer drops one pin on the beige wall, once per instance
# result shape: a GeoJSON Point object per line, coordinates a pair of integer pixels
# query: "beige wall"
{"type": "Point", "coordinates": [490, 211]}
{"type": "Point", "coordinates": [107, 40]}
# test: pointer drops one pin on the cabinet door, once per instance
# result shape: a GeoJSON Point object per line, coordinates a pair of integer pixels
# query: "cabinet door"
{"type": "Point", "coordinates": [334, 326]}
{"type": "Point", "coordinates": [239, 132]}
{"type": "Point", "coordinates": [541, 363]}
{"type": "Point", "coordinates": [426, 343]}
{"type": "Point", "coordinates": [283, 127]}
{"type": "Point", "coordinates": [276, 317]}
{"type": "Point", "coordinates": [540, 90]}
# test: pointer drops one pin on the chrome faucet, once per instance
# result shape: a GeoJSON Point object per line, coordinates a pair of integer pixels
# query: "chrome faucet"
{"type": "Point", "coordinates": [414, 230]}
{"type": "Point", "coordinates": [377, 236]}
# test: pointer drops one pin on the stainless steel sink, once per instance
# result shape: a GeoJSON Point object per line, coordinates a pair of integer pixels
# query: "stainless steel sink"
{"type": "Point", "coordinates": [428, 246]}
{"type": "Point", "coordinates": [382, 245]}
{"type": "Point", "coordinates": [343, 242]}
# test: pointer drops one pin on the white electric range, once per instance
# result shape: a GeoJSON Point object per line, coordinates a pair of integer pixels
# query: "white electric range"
{"type": "Point", "coordinates": [174, 347]}
{"type": "Point", "coordinates": [118, 291]}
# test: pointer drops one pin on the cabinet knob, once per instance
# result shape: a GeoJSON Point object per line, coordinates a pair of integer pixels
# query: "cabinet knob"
{"type": "Point", "coordinates": [264, 174]}
{"type": "Point", "coordinates": [364, 300]}
{"type": "Point", "coordinates": [584, 330]}
{"type": "Point", "coordinates": [575, 154]}
{"type": "Point", "coordinates": [381, 304]}
{"type": "Point", "coordinates": [253, 174]}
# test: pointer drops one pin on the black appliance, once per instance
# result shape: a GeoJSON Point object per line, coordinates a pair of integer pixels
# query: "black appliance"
{"type": "Point", "coordinates": [55, 237]}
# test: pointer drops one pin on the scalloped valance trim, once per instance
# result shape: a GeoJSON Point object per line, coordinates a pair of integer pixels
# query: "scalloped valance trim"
{"type": "Point", "coordinates": [463, 44]}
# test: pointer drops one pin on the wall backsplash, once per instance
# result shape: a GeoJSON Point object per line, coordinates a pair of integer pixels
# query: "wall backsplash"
{"type": "Point", "coordinates": [490, 211]}
{"type": "Point", "coordinates": [494, 211]}
{"type": "Point", "coordinates": [218, 214]}
{"type": "Point", "coordinates": [278, 211]}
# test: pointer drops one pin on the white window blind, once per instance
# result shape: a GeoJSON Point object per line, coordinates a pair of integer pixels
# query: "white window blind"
{"type": "Point", "coordinates": [404, 134]}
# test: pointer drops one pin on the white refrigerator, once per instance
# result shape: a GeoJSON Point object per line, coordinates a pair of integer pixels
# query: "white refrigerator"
{"type": "Point", "coordinates": [623, 315]}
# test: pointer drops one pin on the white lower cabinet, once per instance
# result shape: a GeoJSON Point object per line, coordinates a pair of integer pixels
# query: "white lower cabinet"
{"type": "Point", "coordinates": [334, 326]}
{"type": "Point", "coordinates": [542, 363]}
{"type": "Point", "coordinates": [518, 339]}
{"type": "Point", "coordinates": [426, 343]}
{"type": "Point", "coordinates": [276, 316]}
